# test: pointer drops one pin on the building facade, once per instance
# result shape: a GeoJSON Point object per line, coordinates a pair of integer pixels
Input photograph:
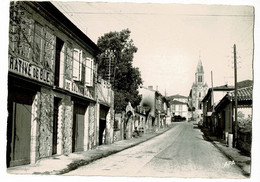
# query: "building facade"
{"type": "Point", "coordinates": [156, 107]}
{"type": "Point", "coordinates": [225, 110]}
{"type": "Point", "coordinates": [179, 105]}
{"type": "Point", "coordinates": [210, 101]}
{"type": "Point", "coordinates": [54, 106]}
{"type": "Point", "coordinates": [179, 108]}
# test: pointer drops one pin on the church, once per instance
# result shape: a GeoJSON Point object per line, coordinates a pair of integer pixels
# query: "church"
{"type": "Point", "coordinates": [198, 91]}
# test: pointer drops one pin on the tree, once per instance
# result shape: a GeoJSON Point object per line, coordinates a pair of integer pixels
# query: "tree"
{"type": "Point", "coordinates": [118, 49]}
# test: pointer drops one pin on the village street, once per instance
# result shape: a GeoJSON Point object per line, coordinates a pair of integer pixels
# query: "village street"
{"type": "Point", "coordinates": [180, 152]}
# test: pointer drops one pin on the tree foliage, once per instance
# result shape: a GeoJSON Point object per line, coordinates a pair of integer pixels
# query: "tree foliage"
{"type": "Point", "coordinates": [124, 78]}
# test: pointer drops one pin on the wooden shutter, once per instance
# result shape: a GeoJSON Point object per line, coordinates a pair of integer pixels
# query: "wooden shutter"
{"type": "Point", "coordinates": [77, 64]}
{"type": "Point", "coordinates": [89, 72]}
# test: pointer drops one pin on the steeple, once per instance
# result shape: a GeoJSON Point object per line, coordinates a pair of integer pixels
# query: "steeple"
{"type": "Point", "coordinates": [199, 75]}
{"type": "Point", "coordinates": [200, 67]}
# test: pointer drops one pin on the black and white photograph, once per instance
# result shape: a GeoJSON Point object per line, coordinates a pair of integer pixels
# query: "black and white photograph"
{"type": "Point", "coordinates": [130, 90]}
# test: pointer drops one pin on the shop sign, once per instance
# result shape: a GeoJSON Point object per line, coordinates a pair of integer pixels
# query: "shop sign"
{"type": "Point", "coordinates": [26, 69]}
{"type": "Point", "coordinates": [78, 89]}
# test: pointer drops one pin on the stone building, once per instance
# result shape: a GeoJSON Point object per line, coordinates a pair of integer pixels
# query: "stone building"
{"type": "Point", "coordinates": [161, 108]}
{"type": "Point", "coordinates": [140, 119]}
{"type": "Point", "coordinates": [156, 107]}
{"type": "Point", "coordinates": [148, 102]}
{"type": "Point", "coordinates": [197, 92]}
{"type": "Point", "coordinates": [54, 106]}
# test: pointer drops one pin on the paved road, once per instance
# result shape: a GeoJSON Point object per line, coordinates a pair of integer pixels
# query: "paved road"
{"type": "Point", "coordinates": [179, 152]}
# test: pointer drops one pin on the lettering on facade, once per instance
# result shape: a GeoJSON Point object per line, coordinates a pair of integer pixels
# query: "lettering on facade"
{"type": "Point", "coordinates": [78, 89]}
{"type": "Point", "coordinates": [24, 68]}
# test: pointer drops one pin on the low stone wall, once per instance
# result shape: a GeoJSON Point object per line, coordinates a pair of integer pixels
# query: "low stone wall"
{"type": "Point", "coordinates": [117, 136]}
{"type": "Point", "coordinates": [244, 141]}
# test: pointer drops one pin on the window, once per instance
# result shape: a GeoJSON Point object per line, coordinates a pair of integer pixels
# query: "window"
{"type": "Point", "coordinates": [44, 45]}
{"type": "Point", "coordinates": [199, 105]}
{"type": "Point", "coordinates": [180, 107]}
{"type": "Point", "coordinates": [89, 72]}
{"type": "Point", "coordinates": [200, 78]}
{"type": "Point", "coordinates": [38, 43]}
{"type": "Point", "coordinates": [199, 94]}
{"type": "Point", "coordinates": [77, 64]}
{"type": "Point", "coordinates": [68, 60]}
{"type": "Point", "coordinates": [49, 45]}
{"type": "Point", "coordinates": [59, 59]}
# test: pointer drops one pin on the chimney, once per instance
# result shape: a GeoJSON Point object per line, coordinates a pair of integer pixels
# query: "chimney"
{"type": "Point", "coordinates": [150, 87]}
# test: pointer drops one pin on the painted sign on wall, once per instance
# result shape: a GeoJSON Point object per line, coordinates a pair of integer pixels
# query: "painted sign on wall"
{"type": "Point", "coordinates": [78, 89]}
{"type": "Point", "coordinates": [26, 69]}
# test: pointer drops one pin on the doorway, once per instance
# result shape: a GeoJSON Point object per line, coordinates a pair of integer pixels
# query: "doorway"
{"type": "Point", "coordinates": [102, 123]}
{"type": "Point", "coordinates": [19, 128]}
{"type": "Point", "coordinates": [78, 128]}
{"type": "Point", "coordinates": [55, 125]}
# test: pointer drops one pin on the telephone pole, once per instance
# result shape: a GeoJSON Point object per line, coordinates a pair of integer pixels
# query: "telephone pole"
{"type": "Point", "coordinates": [213, 120]}
{"type": "Point", "coordinates": [235, 75]}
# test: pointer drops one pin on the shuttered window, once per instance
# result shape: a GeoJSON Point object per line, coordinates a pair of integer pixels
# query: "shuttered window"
{"type": "Point", "coordinates": [77, 64]}
{"type": "Point", "coordinates": [89, 72]}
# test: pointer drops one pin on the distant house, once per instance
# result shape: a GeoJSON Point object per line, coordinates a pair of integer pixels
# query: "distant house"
{"type": "Point", "coordinates": [179, 108]}
{"type": "Point", "coordinates": [225, 113]}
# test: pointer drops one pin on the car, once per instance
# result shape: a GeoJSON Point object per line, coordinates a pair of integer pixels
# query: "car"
{"type": "Point", "coordinates": [178, 118]}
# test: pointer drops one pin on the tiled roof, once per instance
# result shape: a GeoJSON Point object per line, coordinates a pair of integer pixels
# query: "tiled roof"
{"type": "Point", "coordinates": [176, 102]}
{"type": "Point", "coordinates": [223, 87]}
{"type": "Point", "coordinates": [243, 94]}
{"type": "Point", "coordinates": [245, 83]}
{"type": "Point", "coordinates": [176, 96]}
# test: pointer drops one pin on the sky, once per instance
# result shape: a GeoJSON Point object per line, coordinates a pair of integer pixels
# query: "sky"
{"type": "Point", "coordinates": [172, 37]}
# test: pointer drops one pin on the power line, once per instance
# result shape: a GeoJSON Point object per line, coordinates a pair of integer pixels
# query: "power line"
{"type": "Point", "coordinates": [122, 13]}
{"type": "Point", "coordinates": [62, 6]}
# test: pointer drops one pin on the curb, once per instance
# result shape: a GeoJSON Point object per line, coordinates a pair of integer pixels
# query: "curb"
{"type": "Point", "coordinates": [245, 173]}
{"type": "Point", "coordinates": [79, 163]}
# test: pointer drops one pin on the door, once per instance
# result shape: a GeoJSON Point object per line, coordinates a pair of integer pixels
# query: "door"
{"type": "Point", "coordinates": [78, 128]}
{"type": "Point", "coordinates": [102, 123]}
{"type": "Point", "coordinates": [80, 133]}
{"type": "Point", "coordinates": [102, 127]}
{"type": "Point", "coordinates": [21, 134]}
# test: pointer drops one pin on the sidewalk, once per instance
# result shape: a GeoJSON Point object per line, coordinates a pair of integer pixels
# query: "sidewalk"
{"type": "Point", "coordinates": [242, 160]}
{"type": "Point", "coordinates": [60, 164]}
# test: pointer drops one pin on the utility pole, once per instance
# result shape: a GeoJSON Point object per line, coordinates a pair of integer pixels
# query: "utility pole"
{"type": "Point", "coordinates": [212, 93]}
{"type": "Point", "coordinates": [235, 74]}
{"type": "Point", "coordinates": [212, 102]}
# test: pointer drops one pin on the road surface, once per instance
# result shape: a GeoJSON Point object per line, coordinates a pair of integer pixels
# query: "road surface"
{"type": "Point", "coordinates": [180, 152]}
